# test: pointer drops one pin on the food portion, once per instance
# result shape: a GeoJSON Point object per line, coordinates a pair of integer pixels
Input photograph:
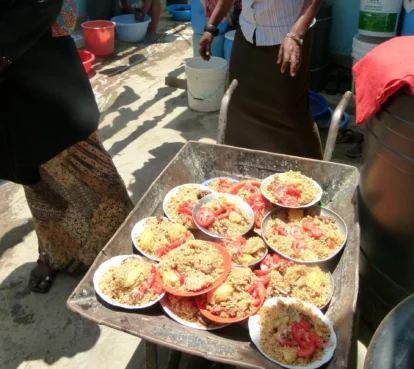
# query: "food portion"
{"type": "Point", "coordinates": [286, 279]}
{"type": "Point", "coordinates": [221, 184]}
{"type": "Point", "coordinates": [292, 334]}
{"type": "Point", "coordinates": [180, 206]}
{"type": "Point", "coordinates": [223, 217]}
{"type": "Point", "coordinates": [250, 192]}
{"type": "Point", "coordinates": [192, 267]}
{"type": "Point", "coordinates": [244, 251]}
{"type": "Point", "coordinates": [185, 308]}
{"type": "Point", "coordinates": [291, 189]}
{"type": "Point", "coordinates": [159, 236]}
{"type": "Point", "coordinates": [303, 235]}
{"type": "Point", "coordinates": [238, 297]}
{"type": "Point", "coordinates": [133, 282]}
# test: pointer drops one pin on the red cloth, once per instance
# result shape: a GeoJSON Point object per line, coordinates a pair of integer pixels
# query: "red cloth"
{"type": "Point", "coordinates": [381, 73]}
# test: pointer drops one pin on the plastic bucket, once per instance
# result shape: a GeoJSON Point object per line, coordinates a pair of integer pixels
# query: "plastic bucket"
{"type": "Point", "coordinates": [99, 37]}
{"type": "Point", "coordinates": [129, 30]}
{"type": "Point", "coordinates": [205, 83]}
{"type": "Point", "coordinates": [217, 47]}
{"type": "Point", "coordinates": [379, 18]}
{"type": "Point", "coordinates": [408, 24]}
{"type": "Point", "coordinates": [228, 44]}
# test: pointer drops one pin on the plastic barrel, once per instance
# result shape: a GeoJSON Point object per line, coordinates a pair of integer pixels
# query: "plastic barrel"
{"type": "Point", "coordinates": [408, 24]}
{"type": "Point", "coordinates": [205, 83]}
{"type": "Point", "coordinates": [379, 18]}
{"type": "Point", "coordinates": [129, 30]}
{"type": "Point", "coordinates": [99, 37]}
{"type": "Point", "coordinates": [217, 48]}
{"type": "Point", "coordinates": [228, 44]}
{"type": "Point", "coordinates": [362, 45]}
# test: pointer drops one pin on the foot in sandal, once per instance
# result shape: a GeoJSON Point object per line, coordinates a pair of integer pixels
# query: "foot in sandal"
{"type": "Point", "coordinates": [41, 278]}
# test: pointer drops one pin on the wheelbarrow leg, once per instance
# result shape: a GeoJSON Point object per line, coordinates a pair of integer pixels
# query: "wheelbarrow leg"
{"type": "Point", "coordinates": [151, 357]}
{"type": "Point", "coordinates": [174, 360]}
{"type": "Point", "coordinates": [223, 112]}
{"type": "Point", "coordinates": [334, 126]}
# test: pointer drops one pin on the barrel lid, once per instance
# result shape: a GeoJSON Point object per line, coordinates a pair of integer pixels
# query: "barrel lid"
{"type": "Point", "coordinates": [230, 35]}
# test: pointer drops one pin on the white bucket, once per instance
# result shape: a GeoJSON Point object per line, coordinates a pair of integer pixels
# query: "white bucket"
{"type": "Point", "coordinates": [205, 83]}
{"type": "Point", "coordinates": [379, 17]}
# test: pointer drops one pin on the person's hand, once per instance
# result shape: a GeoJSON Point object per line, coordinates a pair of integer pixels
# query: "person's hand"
{"type": "Point", "coordinates": [204, 47]}
{"type": "Point", "coordinates": [139, 15]}
{"type": "Point", "coordinates": [289, 53]}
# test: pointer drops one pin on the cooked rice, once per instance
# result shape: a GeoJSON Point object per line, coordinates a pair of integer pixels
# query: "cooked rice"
{"type": "Point", "coordinates": [198, 261]}
{"type": "Point", "coordinates": [231, 299]}
{"type": "Point", "coordinates": [316, 249]}
{"type": "Point", "coordinates": [277, 319]}
{"type": "Point", "coordinates": [236, 224]}
{"type": "Point", "coordinates": [245, 252]}
{"type": "Point", "coordinates": [305, 184]}
{"type": "Point", "coordinates": [190, 193]}
{"type": "Point", "coordinates": [307, 283]}
{"type": "Point", "coordinates": [125, 284]}
{"type": "Point", "coordinates": [186, 309]}
{"type": "Point", "coordinates": [159, 233]}
{"type": "Point", "coordinates": [221, 184]}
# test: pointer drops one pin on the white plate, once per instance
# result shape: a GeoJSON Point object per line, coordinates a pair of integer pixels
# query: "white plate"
{"type": "Point", "coordinates": [254, 330]}
{"type": "Point", "coordinates": [168, 310]}
{"type": "Point", "coordinates": [116, 261]}
{"type": "Point", "coordinates": [208, 181]}
{"type": "Point", "coordinates": [266, 182]}
{"type": "Point", "coordinates": [174, 191]}
{"type": "Point", "coordinates": [137, 230]}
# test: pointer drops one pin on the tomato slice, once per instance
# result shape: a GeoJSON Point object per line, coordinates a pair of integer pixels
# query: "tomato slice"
{"type": "Point", "coordinates": [314, 337]}
{"type": "Point", "coordinates": [265, 279]}
{"type": "Point", "coordinates": [262, 272]}
{"type": "Point", "coordinates": [182, 278]}
{"type": "Point", "coordinates": [297, 232]}
{"type": "Point", "coordinates": [298, 246]}
{"type": "Point", "coordinates": [330, 244]}
{"type": "Point", "coordinates": [305, 325]}
{"type": "Point", "coordinates": [205, 217]}
{"type": "Point", "coordinates": [239, 185]}
{"type": "Point", "coordinates": [283, 342]}
{"type": "Point", "coordinates": [307, 350]}
{"type": "Point", "coordinates": [293, 191]}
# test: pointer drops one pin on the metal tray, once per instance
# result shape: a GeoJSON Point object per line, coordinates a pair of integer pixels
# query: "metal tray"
{"type": "Point", "coordinates": [195, 162]}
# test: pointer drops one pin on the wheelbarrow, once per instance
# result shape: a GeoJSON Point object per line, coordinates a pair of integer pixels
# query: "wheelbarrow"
{"type": "Point", "coordinates": [194, 163]}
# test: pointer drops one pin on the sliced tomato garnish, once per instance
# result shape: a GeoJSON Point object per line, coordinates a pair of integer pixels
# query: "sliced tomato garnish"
{"type": "Point", "coordinates": [265, 279]}
{"type": "Point", "coordinates": [293, 191]}
{"type": "Point", "coordinates": [283, 342]}
{"type": "Point", "coordinates": [330, 244]}
{"type": "Point", "coordinates": [314, 337]}
{"type": "Point", "coordinates": [205, 217]}
{"type": "Point", "coordinates": [182, 278]}
{"type": "Point", "coordinates": [305, 325]}
{"type": "Point", "coordinates": [297, 232]}
{"type": "Point", "coordinates": [298, 246]}
{"type": "Point", "coordinates": [307, 350]}
{"type": "Point", "coordinates": [262, 272]}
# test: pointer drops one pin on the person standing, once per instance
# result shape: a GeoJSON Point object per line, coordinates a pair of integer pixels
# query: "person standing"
{"type": "Point", "coordinates": [49, 141]}
{"type": "Point", "coordinates": [270, 59]}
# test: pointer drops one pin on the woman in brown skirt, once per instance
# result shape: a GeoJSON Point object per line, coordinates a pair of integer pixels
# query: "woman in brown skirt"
{"type": "Point", "coordinates": [270, 59]}
{"type": "Point", "coordinates": [49, 140]}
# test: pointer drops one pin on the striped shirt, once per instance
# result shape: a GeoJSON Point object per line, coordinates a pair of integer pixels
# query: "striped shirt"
{"type": "Point", "coordinates": [270, 19]}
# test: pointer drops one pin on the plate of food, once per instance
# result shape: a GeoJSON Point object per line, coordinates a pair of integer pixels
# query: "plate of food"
{"type": "Point", "coordinates": [250, 191]}
{"type": "Point", "coordinates": [157, 236]}
{"type": "Point", "coordinates": [222, 216]}
{"type": "Point", "coordinates": [245, 251]}
{"type": "Point", "coordinates": [310, 235]}
{"type": "Point", "coordinates": [293, 333]}
{"type": "Point", "coordinates": [237, 298]}
{"type": "Point", "coordinates": [179, 203]}
{"type": "Point", "coordinates": [220, 184]}
{"type": "Point", "coordinates": [128, 281]}
{"type": "Point", "coordinates": [194, 268]}
{"type": "Point", "coordinates": [291, 190]}
{"type": "Point", "coordinates": [284, 278]}
{"type": "Point", "coordinates": [185, 311]}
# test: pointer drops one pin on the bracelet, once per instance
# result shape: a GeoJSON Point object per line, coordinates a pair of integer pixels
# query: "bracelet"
{"type": "Point", "coordinates": [295, 37]}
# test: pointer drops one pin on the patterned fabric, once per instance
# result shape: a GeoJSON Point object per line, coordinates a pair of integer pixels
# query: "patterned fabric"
{"type": "Point", "coordinates": [77, 206]}
{"type": "Point", "coordinates": [66, 21]}
{"type": "Point", "coordinates": [270, 19]}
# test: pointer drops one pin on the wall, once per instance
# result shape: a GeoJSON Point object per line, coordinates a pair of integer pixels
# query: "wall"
{"type": "Point", "coordinates": [81, 6]}
{"type": "Point", "coordinates": [345, 19]}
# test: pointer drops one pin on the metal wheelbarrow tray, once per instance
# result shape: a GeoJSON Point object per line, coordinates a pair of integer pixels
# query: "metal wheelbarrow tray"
{"type": "Point", "coordinates": [194, 163]}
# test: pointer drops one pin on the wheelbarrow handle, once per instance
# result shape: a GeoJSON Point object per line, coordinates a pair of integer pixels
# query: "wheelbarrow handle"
{"type": "Point", "coordinates": [334, 126]}
{"type": "Point", "coordinates": [223, 112]}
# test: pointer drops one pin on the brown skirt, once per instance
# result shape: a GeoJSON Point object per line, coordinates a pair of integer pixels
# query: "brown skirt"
{"type": "Point", "coordinates": [77, 206]}
{"type": "Point", "coordinates": [269, 110]}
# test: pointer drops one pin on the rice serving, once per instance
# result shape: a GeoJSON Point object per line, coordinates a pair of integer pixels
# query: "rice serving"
{"type": "Point", "coordinates": [131, 283]}
{"type": "Point", "coordinates": [191, 267]}
{"type": "Point", "coordinates": [221, 184]}
{"type": "Point", "coordinates": [160, 236]}
{"type": "Point", "coordinates": [291, 189]}
{"type": "Point", "coordinates": [245, 251]}
{"type": "Point", "coordinates": [302, 235]}
{"type": "Point", "coordinates": [292, 334]}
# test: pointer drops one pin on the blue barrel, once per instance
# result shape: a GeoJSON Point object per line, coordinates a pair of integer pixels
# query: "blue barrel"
{"type": "Point", "coordinates": [408, 24]}
{"type": "Point", "coordinates": [217, 48]}
{"type": "Point", "coordinates": [228, 44]}
{"type": "Point", "coordinates": [199, 19]}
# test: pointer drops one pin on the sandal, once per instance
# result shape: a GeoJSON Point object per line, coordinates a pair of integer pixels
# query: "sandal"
{"type": "Point", "coordinates": [41, 278]}
{"type": "Point", "coordinates": [356, 152]}
{"type": "Point", "coordinates": [348, 136]}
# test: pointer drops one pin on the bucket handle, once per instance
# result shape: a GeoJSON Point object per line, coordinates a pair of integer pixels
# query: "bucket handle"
{"type": "Point", "coordinates": [198, 99]}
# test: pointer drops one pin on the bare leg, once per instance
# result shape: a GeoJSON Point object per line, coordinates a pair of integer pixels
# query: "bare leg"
{"type": "Point", "coordinates": [155, 14]}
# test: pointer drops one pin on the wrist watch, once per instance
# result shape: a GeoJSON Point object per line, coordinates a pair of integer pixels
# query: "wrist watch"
{"type": "Point", "coordinates": [211, 29]}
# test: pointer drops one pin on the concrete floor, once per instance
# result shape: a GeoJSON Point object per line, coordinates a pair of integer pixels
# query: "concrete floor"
{"type": "Point", "coordinates": [144, 123]}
